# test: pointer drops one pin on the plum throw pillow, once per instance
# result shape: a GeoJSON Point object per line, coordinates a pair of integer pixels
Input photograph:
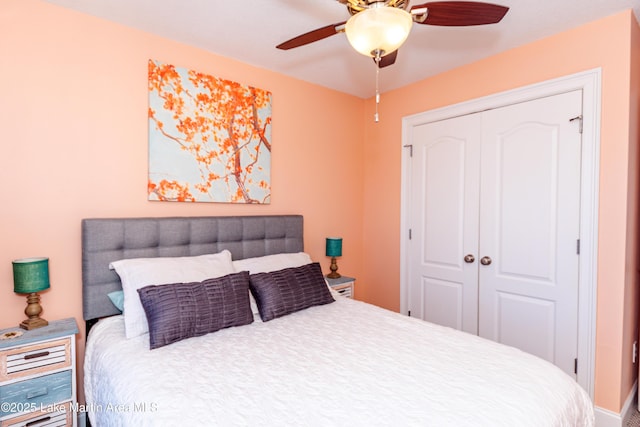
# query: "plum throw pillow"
{"type": "Point", "coordinates": [184, 310]}
{"type": "Point", "coordinates": [286, 291]}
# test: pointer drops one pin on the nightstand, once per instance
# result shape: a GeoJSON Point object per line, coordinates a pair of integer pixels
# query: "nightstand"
{"type": "Point", "coordinates": [38, 375]}
{"type": "Point", "coordinates": [344, 285]}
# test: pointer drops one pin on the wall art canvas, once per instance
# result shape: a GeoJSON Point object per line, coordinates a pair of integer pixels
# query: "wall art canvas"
{"type": "Point", "coordinates": [209, 138]}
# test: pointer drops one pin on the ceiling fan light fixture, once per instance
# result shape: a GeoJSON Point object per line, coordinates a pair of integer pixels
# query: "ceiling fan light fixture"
{"type": "Point", "coordinates": [378, 29]}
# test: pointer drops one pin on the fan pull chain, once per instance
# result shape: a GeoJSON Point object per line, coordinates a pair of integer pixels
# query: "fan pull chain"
{"type": "Point", "coordinates": [376, 116]}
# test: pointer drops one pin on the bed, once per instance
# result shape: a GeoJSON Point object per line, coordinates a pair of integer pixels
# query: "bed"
{"type": "Point", "coordinates": [332, 362]}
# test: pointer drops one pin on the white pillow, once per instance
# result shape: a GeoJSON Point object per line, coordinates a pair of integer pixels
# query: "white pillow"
{"type": "Point", "coordinates": [266, 264]}
{"type": "Point", "coordinates": [136, 273]}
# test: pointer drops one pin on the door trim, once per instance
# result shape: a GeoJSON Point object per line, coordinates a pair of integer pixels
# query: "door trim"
{"type": "Point", "coordinates": [590, 84]}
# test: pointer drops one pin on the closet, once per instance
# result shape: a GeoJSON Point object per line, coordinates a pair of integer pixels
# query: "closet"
{"type": "Point", "coordinates": [494, 218]}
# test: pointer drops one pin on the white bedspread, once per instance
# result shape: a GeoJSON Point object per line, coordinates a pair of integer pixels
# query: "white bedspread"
{"type": "Point", "coordinates": [346, 363]}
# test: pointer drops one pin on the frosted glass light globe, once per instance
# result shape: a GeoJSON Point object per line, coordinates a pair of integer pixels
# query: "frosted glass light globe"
{"type": "Point", "coordinates": [378, 29]}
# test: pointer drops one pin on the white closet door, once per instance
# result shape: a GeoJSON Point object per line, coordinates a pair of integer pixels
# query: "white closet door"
{"type": "Point", "coordinates": [444, 197]}
{"type": "Point", "coordinates": [529, 227]}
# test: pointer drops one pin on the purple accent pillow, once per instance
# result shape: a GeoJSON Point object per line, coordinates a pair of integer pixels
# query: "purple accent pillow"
{"type": "Point", "coordinates": [282, 292]}
{"type": "Point", "coordinates": [184, 310]}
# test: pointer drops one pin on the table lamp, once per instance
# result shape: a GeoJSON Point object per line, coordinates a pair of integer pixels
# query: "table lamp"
{"type": "Point", "coordinates": [30, 276]}
{"type": "Point", "coordinates": [334, 249]}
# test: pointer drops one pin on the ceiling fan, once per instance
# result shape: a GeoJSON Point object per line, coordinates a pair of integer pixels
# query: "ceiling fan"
{"type": "Point", "coordinates": [377, 28]}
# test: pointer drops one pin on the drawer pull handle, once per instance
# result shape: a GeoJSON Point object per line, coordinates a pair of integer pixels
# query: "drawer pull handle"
{"type": "Point", "coordinates": [37, 393]}
{"type": "Point", "coordinates": [36, 422]}
{"type": "Point", "coordinates": [36, 355]}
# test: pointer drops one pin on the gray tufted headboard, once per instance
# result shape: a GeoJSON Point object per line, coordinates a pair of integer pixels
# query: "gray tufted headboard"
{"type": "Point", "coordinates": [109, 239]}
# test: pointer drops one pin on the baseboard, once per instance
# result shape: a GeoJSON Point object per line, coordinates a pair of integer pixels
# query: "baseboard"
{"type": "Point", "coordinates": [607, 418]}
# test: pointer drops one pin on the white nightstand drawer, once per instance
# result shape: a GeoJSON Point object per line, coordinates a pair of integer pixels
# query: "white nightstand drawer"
{"type": "Point", "coordinates": [344, 290]}
{"type": "Point", "coordinates": [34, 359]}
{"type": "Point", "coordinates": [343, 285]}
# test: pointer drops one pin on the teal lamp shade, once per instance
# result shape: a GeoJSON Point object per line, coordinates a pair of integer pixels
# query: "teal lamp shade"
{"type": "Point", "coordinates": [30, 275]}
{"type": "Point", "coordinates": [334, 246]}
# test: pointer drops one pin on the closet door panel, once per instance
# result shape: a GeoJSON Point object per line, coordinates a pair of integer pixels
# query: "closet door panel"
{"type": "Point", "coordinates": [529, 227]}
{"type": "Point", "coordinates": [443, 302]}
{"type": "Point", "coordinates": [444, 222]}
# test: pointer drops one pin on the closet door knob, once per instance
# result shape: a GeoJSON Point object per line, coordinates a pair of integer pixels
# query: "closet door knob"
{"type": "Point", "coordinates": [469, 258]}
{"type": "Point", "coordinates": [485, 260]}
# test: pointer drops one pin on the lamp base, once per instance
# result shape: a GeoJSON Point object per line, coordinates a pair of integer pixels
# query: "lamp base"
{"type": "Point", "coordinates": [29, 324]}
{"type": "Point", "coordinates": [334, 269]}
{"type": "Point", "coordinates": [33, 311]}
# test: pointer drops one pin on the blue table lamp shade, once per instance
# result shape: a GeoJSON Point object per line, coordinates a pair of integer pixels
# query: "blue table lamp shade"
{"type": "Point", "coordinates": [30, 276]}
{"type": "Point", "coordinates": [334, 249]}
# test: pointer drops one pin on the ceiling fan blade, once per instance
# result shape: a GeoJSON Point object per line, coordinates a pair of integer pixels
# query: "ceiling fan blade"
{"type": "Point", "coordinates": [460, 13]}
{"type": "Point", "coordinates": [313, 36]}
{"type": "Point", "coordinates": [387, 60]}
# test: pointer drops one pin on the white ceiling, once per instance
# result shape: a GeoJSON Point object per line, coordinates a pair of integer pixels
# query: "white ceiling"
{"type": "Point", "coordinates": [250, 30]}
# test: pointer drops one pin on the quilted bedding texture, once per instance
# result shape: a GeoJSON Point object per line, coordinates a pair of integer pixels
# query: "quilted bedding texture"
{"type": "Point", "coordinates": [345, 363]}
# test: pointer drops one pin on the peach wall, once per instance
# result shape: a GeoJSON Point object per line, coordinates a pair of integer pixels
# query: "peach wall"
{"type": "Point", "coordinates": [604, 43]}
{"type": "Point", "coordinates": [73, 105]}
{"type": "Point", "coordinates": [632, 292]}
{"type": "Point", "coordinates": [74, 145]}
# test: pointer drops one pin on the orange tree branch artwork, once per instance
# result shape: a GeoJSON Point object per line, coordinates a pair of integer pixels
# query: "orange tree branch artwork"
{"type": "Point", "coordinates": [209, 138]}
